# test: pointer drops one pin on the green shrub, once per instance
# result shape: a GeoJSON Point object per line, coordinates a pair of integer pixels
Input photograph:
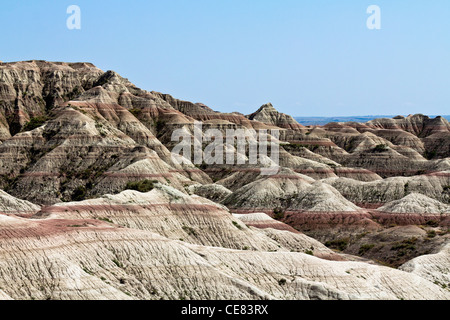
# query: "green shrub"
{"type": "Point", "coordinates": [313, 147]}
{"type": "Point", "coordinates": [278, 213]}
{"type": "Point", "coordinates": [381, 148]}
{"type": "Point", "coordinates": [430, 154]}
{"type": "Point", "coordinates": [431, 234]}
{"type": "Point", "coordinates": [432, 223]}
{"type": "Point", "coordinates": [79, 194]}
{"type": "Point", "coordinates": [237, 225]}
{"type": "Point", "coordinates": [106, 220]}
{"type": "Point", "coordinates": [118, 263]}
{"type": "Point", "coordinates": [338, 244]}
{"type": "Point", "coordinates": [294, 147]}
{"type": "Point", "coordinates": [159, 125]}
{"type": "Point", "coordinates": [141, 186]}
{"type": "Point", "coordinates": [406, 188]}
{"type": "Point", "coordinates": [365, 247]}
{"type": "Point", "coordinates": [136, 112]}
{"type": "Point", "coordinates": [190, 231]}
{"type": "Point", "coordinates": [35, 123]}
{"type": "Point", "coordinates": [405, 246]}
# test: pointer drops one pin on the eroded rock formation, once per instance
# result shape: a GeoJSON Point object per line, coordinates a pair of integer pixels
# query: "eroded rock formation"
{"type": "Point", "coordinates": [94, 205]}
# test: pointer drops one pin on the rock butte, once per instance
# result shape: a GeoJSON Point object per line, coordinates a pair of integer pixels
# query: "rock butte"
{"type": "Point", "coordinates": [92, 205]}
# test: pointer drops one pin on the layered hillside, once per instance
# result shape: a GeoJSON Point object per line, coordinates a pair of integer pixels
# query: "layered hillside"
{"type": "Point", "coordinates": [95, 205]}
{"type": "Point", "coordinates": [416, 203]}
{"type": "Point", "coordinates": [128, 257]}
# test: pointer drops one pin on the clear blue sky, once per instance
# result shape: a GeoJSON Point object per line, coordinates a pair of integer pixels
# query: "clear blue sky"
{"type": "Point", "coordinates": [309, 58]}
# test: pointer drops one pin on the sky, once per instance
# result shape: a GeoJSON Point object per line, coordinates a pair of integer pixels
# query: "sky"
{"type": "Point", "coordinates": [308, 58]}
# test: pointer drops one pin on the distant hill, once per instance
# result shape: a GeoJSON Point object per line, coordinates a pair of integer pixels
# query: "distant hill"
{"type": "Point", "coordinates": [309, 121]}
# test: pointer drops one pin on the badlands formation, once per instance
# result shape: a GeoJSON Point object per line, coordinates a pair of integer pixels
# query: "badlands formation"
{"type": "Point", "coordinates": [94, 206]}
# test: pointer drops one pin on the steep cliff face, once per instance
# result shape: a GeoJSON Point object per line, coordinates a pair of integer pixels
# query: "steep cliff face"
{"type": "Point", "coordinates": [82, 149]}
{"type": "Point", "coordinates": [29, 89]}
{"type": "Point", "coordinates": [89, 145]}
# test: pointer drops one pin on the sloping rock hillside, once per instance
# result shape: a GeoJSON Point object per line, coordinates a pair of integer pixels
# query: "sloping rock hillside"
{"type": "Point", "coordinates": [94, 204]}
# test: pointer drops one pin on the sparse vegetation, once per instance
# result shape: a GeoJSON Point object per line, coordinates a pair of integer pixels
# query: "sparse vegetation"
{"type": "Point", "coordinates": [432, 223]}
{"type": "Point", "coordinates": [118, 263]}
{"type": "Point", "coordinates": [34, 123]}
{"type": "Point", "coordinates": [154, 292]}
{"type": "Point", "coordinates": [405, 246]}
{"type": "Point", "coordinates": [190, 231]}
{"type": "Point", "coordinates": [74, 93]}
{"type": "Point", "coordinates": [429, 155]}
{"type": "Point", "coordinates": [101, 131]}
{"type": "Point", "coordinates": [278, 213]}
{"type": "Point", "coordinates": [299, 147]}
{"type": "Point", "coordinates": [381, 148]}
{"type": "Point", "coordinates": [141, 186]}
{"type": "Point", "coordinates": [431, 234]}
{"type": "Point", "coordinates": [79, 194]}
{"type": "Point", "coordinates": [136, 112]}
{"type": "Point", "coordinates": [202, 166]}
{"type": "Point", "coordinates": [313, 147]}
{"type": "Point", "coordinates": [86, 166]}
{"type": "Point", "coordinates": [364, 248]}
{"type": "Point", "coordinates": [406, 188]}
{"type": "Point", "coordinates": [105, 220]}
{"type": "Point", "coordinates": [159, 125]}
{"type": "Point", "coordinates": [87, 271]}
{"type": "Point", "coordinates": [338, 244]}
{"type": "Point", "coordinates": [237, 225]}
{"type": "Point", "coordinates": [10, 181]}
